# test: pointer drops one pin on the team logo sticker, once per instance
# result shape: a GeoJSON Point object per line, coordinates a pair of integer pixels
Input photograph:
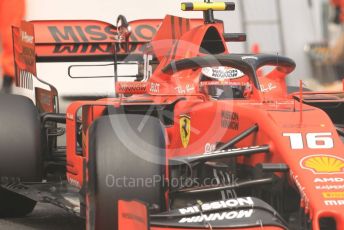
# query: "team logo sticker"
{"type": "Point", "coordinates": [323, 164]}
{"type": "Point", "coordinates": [185, 129]}
{"type": "Point", "coordinates": [222, 73]}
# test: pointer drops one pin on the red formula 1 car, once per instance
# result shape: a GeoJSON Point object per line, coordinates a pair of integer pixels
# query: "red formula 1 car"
{"type": "Point", "coordinates": [198, 140]}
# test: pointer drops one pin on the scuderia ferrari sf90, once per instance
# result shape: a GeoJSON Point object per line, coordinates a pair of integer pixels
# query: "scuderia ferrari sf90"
{"type": "Point", "coordinates": [193, 137]}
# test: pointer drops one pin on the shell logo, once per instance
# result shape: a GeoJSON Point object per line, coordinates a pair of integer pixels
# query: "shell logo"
{"type": "Point", "coordinates": [323, 164]}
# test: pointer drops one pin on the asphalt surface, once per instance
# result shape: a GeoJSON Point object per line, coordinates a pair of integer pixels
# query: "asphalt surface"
{"type": "Point", "coordinates": [44, 217]}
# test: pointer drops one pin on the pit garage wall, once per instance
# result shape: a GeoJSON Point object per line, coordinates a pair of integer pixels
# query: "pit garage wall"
{"type": "Point", "coordinates": [300, 25]}
{"type": "Point", "coordinates": [105, 10]}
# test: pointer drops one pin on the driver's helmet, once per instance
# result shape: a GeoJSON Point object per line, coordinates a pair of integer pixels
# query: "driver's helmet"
{"type": "Point", "coordinates": [224, 82]}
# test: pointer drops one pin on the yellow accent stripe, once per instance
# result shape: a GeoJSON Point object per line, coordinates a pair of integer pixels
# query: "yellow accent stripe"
{"type": "Point", "coordinates": [183, 7]}
{"type": "Point", "coordinates": [202, 6]}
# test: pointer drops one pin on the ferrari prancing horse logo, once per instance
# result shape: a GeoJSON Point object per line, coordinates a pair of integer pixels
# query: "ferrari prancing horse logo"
{"type": "Point", "coordinates": [185, 129]}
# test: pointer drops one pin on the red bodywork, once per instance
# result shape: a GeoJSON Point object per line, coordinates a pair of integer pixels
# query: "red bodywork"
{"type": "Point", "coordinates": [299, 135]}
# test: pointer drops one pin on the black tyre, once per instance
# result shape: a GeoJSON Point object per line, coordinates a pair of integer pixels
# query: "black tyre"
{"type": "Point", "coordinates": [124, 146]}
{"type": "Point", "coordinates": [20, 139]}
{"type": "Point", "coordinates": [14, 205]}
{"type": "Point", "coordinates": [20, 151]}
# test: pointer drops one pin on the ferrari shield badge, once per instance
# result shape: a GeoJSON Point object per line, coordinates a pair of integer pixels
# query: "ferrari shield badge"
{"type": "Point", "coordinates": [185, 129]}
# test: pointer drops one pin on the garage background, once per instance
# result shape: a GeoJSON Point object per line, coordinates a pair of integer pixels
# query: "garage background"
{"type": "Point", "coordinates": [285, 27]}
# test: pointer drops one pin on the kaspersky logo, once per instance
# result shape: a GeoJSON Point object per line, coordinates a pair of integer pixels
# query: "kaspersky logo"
{"type": "Point", "coordinates": [323, 164]}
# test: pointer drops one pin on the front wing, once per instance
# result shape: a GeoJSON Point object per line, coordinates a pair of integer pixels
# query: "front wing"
{"type": "Point", "coordinates": [237, 213]}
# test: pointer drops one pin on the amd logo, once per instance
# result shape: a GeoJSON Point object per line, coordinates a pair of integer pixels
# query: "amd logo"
{"type": "Point", "coordinates": [330, 179]}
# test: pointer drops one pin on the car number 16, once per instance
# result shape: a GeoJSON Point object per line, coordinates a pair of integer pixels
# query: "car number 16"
{"type": "Point", "coordinates": [313, 140]}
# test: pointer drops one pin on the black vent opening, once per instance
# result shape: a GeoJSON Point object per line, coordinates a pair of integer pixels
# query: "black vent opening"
{"type": "Point", "coordinates": [212, 43]}
{"type": "Point", "coordinates": [327, 223]}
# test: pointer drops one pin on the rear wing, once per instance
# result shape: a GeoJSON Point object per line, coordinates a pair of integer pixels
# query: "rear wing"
{"type": "Point", "coordinates": [50, 41]}
{"type": "Point", "coordinates": [82, 40]}
{"type": "Point", "coordinates": [73, 40]}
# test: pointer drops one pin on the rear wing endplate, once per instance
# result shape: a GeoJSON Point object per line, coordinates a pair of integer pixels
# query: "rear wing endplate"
{"type": "Point", "coordinates": [75, 40]}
